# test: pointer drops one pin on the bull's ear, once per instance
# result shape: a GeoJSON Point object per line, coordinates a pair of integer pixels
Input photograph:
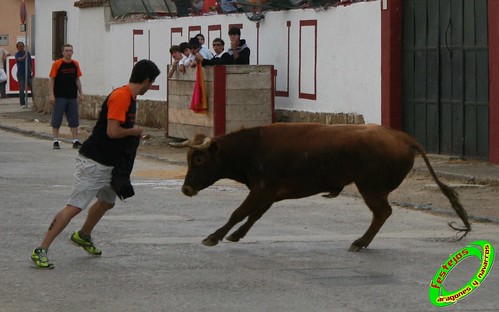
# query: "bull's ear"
{"type": "Point", "coordinates": [214, 146]}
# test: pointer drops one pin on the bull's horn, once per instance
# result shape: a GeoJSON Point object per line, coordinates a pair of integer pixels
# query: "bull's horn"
{"type": "Point", "coordinates": [204, 145]}
{"type": "Point", "coordinates": [186, 143]}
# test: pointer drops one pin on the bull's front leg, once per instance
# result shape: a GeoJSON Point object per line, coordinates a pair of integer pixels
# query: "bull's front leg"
{"type": "Point", "coordinates": [214, 238]}
{"type": "Point", "coordinates": [252, 218]}
{"type": "Point", "coordinates": [252, 203]}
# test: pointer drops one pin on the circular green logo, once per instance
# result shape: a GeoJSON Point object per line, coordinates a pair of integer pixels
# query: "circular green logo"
{"type": "Point", "coordinates": [481, 249]}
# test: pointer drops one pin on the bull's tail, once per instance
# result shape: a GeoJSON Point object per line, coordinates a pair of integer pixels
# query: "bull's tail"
{"type": "Point", "coordinates": [450, 193]}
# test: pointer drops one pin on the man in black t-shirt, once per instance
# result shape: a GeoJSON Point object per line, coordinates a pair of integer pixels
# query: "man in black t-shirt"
{"type": "Point", "coordinates": [64, 86]}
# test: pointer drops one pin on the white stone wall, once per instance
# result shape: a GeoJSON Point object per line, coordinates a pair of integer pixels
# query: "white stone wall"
{"type": "Point", "coordinates": [347, 76]}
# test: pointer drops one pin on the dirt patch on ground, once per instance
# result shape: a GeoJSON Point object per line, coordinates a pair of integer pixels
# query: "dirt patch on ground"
{"type": "Point", "coordinates": [420, 192]}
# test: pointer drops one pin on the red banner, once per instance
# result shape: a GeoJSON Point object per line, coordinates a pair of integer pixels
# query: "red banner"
{"type": "Point", "coordinates": [199, 101]}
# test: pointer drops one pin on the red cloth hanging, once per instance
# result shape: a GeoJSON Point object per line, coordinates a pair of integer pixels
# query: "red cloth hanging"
{"type": "Point", "coordinates": [199, 101]}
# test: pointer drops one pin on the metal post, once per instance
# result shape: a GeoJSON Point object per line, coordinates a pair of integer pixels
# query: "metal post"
{"type": "Point", "coordinates": [24, 26]}
{"type": "Point", "coordinates": [26, 65]}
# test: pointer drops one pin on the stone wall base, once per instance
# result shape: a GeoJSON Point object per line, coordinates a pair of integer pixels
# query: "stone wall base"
{"type": "Point", "coordinates": [322, 118]}
{"type": "Point", "coordinates": [149, 113]}
{"type": "Point", "coordinates": [155, 113]}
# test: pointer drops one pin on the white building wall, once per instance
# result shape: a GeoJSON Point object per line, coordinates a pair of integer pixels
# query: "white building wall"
{"type": "Point", "coordinates": [348, 49]}
{"type": "Point", "coordinates": [44, 9]}
{"type": "Point", "coordinates": [93, 51]}
{"type": "Point", "coordinates": [44, 36]}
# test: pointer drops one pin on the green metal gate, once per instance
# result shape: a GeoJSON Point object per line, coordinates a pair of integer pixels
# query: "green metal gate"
{"type": "Point", "coordinates": [445, 76]}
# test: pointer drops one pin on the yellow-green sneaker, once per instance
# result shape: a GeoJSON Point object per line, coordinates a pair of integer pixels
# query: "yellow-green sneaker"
{"type": "Point", "coordinates": [88, 245]}
{"type": "Point", "coordinates": [39, 258]}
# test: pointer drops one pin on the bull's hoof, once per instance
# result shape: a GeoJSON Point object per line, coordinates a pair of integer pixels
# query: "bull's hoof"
{"type": "Point", "coordinates": [354, 248]}
{"type": "Point", "coordinates": [232, 238]}
{"type": "Point", "coordinates": [209, 241]}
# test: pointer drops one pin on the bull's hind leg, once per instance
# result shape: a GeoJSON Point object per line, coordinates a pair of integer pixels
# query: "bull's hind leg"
{"type": "Point", "coordinates": [243, 229]}
{"type": "Point", "coordinates": [381, 209]}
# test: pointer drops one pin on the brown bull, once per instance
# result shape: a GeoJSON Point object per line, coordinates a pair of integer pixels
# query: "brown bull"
{"type": "Point", "coordinates": [284, 161]}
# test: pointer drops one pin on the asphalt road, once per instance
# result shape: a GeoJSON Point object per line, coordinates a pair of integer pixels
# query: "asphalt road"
{"type": "Point", "coordinates": [294, 259]}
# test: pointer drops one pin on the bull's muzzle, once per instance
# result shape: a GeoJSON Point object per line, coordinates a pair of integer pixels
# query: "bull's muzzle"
{"type": "Point", "coordinates": [188, 191]}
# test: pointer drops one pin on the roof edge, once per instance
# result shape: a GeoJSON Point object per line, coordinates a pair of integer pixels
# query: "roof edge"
{"type": "Point", "coordinates": [82, 4]}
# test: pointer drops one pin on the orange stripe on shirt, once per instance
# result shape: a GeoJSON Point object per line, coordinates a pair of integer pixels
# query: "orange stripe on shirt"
{"type": "Point", "coordinates": [57, 64]}
{"type": "Point", "coordinates": [118, 103]}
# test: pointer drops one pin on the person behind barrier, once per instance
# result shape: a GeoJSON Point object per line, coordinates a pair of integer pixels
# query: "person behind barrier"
{"type": "Point", "coordinates": [177, 57]}
{"type": "Point", "coordinates": [195, 48]}
{"type": "Point", "coordinates": [238, 50]}
{"type": "Point", "coordinates": [186, 51]}
{"type": "Point", "coordinates": [204, 50]}
{"type": "Point", "coordinates": [182, 7]}
{"type": "Point", "coordinates": [221, 57]}
{"type": "Point", "coordinates": [228, 6]}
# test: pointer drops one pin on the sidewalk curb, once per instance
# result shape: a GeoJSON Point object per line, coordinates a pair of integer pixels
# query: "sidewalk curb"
{"type": "Point", "coordinates": [29, 133]}
{"type": "Point", "coordinates": [49, 138]}
{"type": "Point", "coordinates": [471, 172]}
{"type": "Point", "coordinates": [466, 179]}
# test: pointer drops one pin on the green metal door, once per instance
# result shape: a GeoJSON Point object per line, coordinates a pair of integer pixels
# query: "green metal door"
{"type": "Point", "coordinates": [445, 76]}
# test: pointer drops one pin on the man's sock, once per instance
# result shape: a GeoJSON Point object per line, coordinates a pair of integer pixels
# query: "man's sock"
{"type": "Point", "coordinates": [84, 236]}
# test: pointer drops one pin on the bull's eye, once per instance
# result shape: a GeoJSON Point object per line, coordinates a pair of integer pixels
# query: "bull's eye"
{"type": "Point", "coordinates": [198, 160]}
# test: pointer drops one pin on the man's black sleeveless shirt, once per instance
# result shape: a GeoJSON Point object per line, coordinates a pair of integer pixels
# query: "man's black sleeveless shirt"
{"type": "Point", "coordinates": [99, 146]}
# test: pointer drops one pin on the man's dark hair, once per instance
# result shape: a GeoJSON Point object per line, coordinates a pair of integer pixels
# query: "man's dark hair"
{"type": "Point", "coordinates": [194, 43]}
{"type": "Point", "coordinates": [219, 40]}
{"type": "Point", "coordinates": [200, 35]}
{"type": "Point", "coordinates": [175, 48]}
{"type": "Point", "coordinates": [234, 31]}
{"type": "Point", "coordinates": [183, 46]}
{"type": "Point", "coordinates": [142, 70]}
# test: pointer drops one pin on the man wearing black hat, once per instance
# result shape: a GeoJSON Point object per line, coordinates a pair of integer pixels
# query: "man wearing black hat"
{"type": "Point", "coordinates": [238, 50]}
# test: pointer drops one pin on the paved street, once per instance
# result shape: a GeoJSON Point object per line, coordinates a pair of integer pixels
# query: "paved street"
{"type": "Point", "coordinates": [294, 259]}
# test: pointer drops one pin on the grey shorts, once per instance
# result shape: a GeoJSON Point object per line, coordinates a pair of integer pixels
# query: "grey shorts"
{"type": "Point", "coordinates": [91, 180]}
{"type": "Point", "coordinates": [68, 107]}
